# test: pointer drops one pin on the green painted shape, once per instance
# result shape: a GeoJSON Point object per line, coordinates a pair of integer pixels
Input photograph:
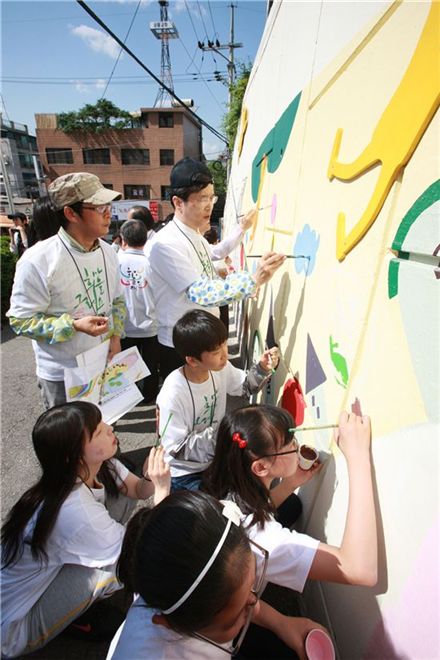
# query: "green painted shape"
{"type": "Point", "coordinates": [426, 199]}
{"type": "Point", "coordinates": [339, 362]}
{"type": "Point", "coordinates": [393, 278]}
{"type": "Point", "coordinates": [274, 144]}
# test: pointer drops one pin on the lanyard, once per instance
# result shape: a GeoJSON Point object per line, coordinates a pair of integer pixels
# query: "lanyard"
{"type": "Point", "coordinates": [82, 280]}
{"type": "Point", "coordinates": [210, 275]}
{"type": "Point", "coordinates": [212, 406]}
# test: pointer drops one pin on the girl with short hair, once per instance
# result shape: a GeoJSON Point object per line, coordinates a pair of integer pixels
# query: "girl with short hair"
{"type": "Point", "coordinates": [199, 579]}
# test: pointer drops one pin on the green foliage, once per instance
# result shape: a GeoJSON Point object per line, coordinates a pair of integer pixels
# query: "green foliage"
{"type": "Point", "coordinates": [8, 261]}
{"type": "Point", "coordinates": [218, 171]}
{"type": "Point", "coordinates": [232, 118]}
{"type": "Point", "coordinates": [95, 118]}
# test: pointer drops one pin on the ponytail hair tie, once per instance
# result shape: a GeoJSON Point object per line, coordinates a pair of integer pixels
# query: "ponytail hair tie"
{"type": "Point", "coordinates": [236, 437]}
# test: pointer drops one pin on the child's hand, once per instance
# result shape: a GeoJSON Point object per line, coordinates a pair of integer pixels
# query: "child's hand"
{"type": "Point", "coordinates": [294, 631]}
{"type": "Point", "coordinates": [270, 359]}
{"type": "Point", "coordinates": [303, 476]}
{"type": "Point", "coordinates": [353, 436]}
{"type": "Point", "coordinates": [159, 473]}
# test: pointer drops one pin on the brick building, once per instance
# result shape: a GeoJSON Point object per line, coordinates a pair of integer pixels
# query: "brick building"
{"type": "Point", "coordinates": [136, 161]}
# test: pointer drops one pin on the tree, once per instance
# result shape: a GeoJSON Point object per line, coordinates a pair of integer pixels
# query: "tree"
{"type": "Point", "coordinates": [218, 172]}
{"type": "Point", "coordinates": [232, 118]}
{"type": "Point", "coordinates": [96, 118]}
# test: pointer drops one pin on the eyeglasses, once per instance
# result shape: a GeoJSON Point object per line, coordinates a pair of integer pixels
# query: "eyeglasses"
{"type": "Point", "coordinates": [205, 200]}
{"type": "Point", "coordinates": [283, 453]}
{"type": "Point", "coordinates": [101, 209]}
{"type": "Point", "coordinates": [262, 560]}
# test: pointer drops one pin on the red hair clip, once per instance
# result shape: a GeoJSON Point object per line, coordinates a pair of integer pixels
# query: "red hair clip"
{"type": "Point", "coordinates": [236, 437]}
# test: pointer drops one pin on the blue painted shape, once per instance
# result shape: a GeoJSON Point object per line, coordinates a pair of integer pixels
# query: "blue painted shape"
{"type": "Point", "coordinates": [307, 243]}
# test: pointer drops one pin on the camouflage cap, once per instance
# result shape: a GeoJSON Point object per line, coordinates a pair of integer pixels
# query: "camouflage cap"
{"type": "Point", "coordinates": [80, 187]}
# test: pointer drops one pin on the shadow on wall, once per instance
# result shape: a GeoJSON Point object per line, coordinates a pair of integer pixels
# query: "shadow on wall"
{"type": "Point", "coordinates": [365, 616]}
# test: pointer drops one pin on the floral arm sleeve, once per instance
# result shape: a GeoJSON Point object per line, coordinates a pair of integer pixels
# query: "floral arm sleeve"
{"type": "Point", "coordinates": [119, 312]}
{"type": "Point", "coordinates": [52, 329]}
{"type": "Point", "coordinates": [217, 292]}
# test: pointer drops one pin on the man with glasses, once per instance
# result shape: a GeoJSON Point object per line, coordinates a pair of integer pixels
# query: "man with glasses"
{"type": "Point", "coordinates": [181, 272]}
{"type": "Point", "coordinates": [67, 296]}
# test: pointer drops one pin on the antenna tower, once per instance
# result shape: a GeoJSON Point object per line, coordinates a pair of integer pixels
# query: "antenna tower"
{"type": "Point", "coordinates": [164, 30]}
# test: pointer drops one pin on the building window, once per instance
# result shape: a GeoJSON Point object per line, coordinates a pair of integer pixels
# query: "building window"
{"type": "Point", "coordinates": [166, 120]}
{"type": "Point", "coordinates": [25, 160]}
{"type": "Point", "coordinates": [136, 192]}
{"type": "Point", "coordinates": [57, 156]}
{"type": "Point", "coordinates": [165, 192]}
{"type": "Point", "coordinates": [166, 156]}
{"type": "Point", "coordinates": [108, 185]}
{"type": "Point", "coordinates": [96, 156]}
{"type": "Point", "coordinates": [135, 156]}
{"type": "Point", "coordinates": [22, 141]}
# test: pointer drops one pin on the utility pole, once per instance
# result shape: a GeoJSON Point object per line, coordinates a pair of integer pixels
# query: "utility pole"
{"type": "Point", "coordinates": [217, 47]}
{"type": "Point", "coordinates": [164, 30]}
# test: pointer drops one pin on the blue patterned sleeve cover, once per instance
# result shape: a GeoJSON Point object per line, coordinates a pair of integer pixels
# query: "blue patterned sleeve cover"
{"type": "Point", "coordinates": [53, 329]}
{"type": "Point", "coordinates": [119, 312]}
{"type": "Point", "coordinates": [218, 292]}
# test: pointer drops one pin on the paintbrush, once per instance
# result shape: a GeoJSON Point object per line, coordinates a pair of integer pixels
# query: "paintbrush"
{"type": "Point", "coordinates": [313, 428]}
{"type": "Point", "coordinates": [288, 256]}
{"type": "Point", "coordinates": [161, 435]}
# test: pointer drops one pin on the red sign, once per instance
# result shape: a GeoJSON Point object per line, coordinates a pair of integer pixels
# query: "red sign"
{"type": "Point", "coordinates": [155, 210]}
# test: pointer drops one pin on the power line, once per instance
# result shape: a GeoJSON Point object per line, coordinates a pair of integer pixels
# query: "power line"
{"type": "Point", "coordinates": [215, 34]}
{"type": "Point", "coordinates": [150, 73]}
{"type": "Point", "coordinates": [120, 51]}
{"type": "Point", "coordinates": [203, 20]}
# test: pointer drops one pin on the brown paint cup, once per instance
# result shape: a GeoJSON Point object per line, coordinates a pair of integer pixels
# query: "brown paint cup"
{"type": "Point", "coordinates": [307, 457]}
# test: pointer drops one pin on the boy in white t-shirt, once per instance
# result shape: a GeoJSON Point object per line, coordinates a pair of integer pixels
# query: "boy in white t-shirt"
{"type": "Point", "coordinates": [140, 322]}
{"type": "Point", "coordinates": [192, 400]}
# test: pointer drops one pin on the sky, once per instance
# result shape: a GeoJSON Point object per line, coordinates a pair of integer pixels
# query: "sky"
{"type": "Point", "coordinates": [56, 58]}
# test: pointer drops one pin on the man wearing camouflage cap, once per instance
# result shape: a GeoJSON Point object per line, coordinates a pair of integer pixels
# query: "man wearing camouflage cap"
{"type": "Point", "coordinates": [67, 296]}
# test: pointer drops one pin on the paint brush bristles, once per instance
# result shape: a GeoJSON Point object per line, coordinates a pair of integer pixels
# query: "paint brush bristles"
{"type": "Point", "coordinates": [313, 428]}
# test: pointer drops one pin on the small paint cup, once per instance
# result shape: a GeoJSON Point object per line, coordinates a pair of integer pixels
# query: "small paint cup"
{"type": "Point", "coordinates": [307, 457]}
{"type": "Point", "coordinates": [319, 646]}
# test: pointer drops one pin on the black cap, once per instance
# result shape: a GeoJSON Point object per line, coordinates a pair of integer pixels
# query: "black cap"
{"type": "Point", "coordinates": [17, 216]}
{"type": "Point", "coordinates": [188, 172]}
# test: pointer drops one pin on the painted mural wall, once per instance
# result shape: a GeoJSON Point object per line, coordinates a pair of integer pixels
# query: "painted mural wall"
{"type": "Point", "coordinates": [339, 149]}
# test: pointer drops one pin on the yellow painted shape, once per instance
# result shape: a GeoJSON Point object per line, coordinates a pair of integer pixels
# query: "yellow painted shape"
{"type": "Point", "coordinates": [258, 203]}
{"type": "Point", "coordinates": [244, 121]}
{"type": "Point", "coordinates": [279, 231]}
{"type": "Point", "coordinates": [397, 133]}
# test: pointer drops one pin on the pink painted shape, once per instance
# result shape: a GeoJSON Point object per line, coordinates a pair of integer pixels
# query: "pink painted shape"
{"type": "Point", "coordinates": [356, 408]}
{"type": "Point", "coordinates": [319, 646]}
{"type": "Point", "coordinates": [411, 627]}
{"type": "Point", "coordinates": [273, 210]}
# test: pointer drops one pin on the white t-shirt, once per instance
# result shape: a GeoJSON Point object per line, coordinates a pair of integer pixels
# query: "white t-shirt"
{"type": "Point", "coordinates": [209, 407]}
{"type": "Point", "coordinates": [84, 534]}
{"type": "Point", "coordinates": [140, 639]}
{"type": "Point", "coordinates": [290, 554]}
{"type": "Point", "coordinates": [47, 282]}
{"type": "Point", "coordinates": [141, 317]}
{"type": "Point", "coordinates": [177, 257]}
